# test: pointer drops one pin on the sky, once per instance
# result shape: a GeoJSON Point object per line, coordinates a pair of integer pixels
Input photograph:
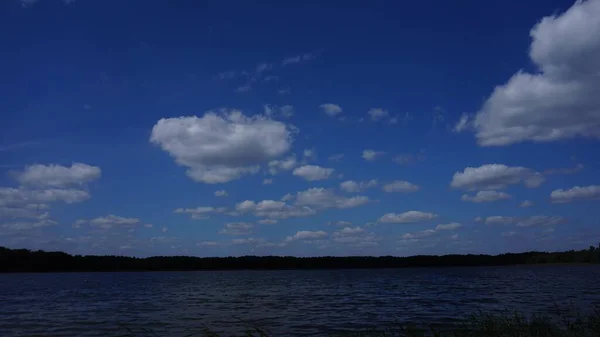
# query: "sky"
{"type": "Point", "coordinates": [225, 128]}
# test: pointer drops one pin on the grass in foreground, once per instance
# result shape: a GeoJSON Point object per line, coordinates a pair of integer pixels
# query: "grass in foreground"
{"type": "Point", "coordinates": [478, 325]}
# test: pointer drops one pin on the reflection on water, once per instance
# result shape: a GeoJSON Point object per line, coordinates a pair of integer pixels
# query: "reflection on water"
{"type": "Point", "coordinates": [305, 303]}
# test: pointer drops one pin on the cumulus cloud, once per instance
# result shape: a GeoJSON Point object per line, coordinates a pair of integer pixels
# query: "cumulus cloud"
{"type": "Point", "coordinates": [407, 217]}
{"type": "Point", "coordinates": [278, 165]}
{"type": "Point", "coordinates": [201, 212]}
{"type": "Point", "coordinates": [486, 196]}
{"type": "Point", "coordinates": [237, 228]}
{"type": "Point", "coordinates": [559, 101]}
{"type": "Point", "coordinates": [331, 109]}
{"type": "Point", "coordinates": [352, 186]}
{"type": "Point", "coordinates": [400, 186]}
{"type": "Point", "coordinates": [307, 236]}
{"type": "Point", "coordinates": [272, 209]}
{"type": "Point", "coordinates": [248, 241]}
{"type": "Point", "coordinates": [220, 147]}
{"type": "Point", "coordinates": [495, 177]}
{"type": "Point", "coordinates": [108, 222]}
{"type": "Point", "coordinates": [313, 172]}
{"type": "Point", "coordinates": [576, 193]}
{"type": "Point", "coordinates": [538, 220]}
{"type": "Point", "coordinates": [371, 155]}
{"type": "Point", "coordinates": [377, 113]}
{"type": "Point", "coordinates": [58, 176]}
{"type": "Point", "coordinates": [327, 198]}
{"type": "Point", "coordinates": [430, 232]}
{"type": "Point", "coordinates": [221, 193]}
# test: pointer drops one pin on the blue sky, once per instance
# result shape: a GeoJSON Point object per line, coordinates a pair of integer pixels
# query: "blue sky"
{"type": "Point", "coordinates": [299, 128]}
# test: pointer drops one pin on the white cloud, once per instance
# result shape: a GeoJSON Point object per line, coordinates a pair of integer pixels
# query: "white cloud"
{"type": "Point", "coordinates": [495, 177]}
{"type": "Point", "coordinates": [526, 203]}
{"type": "Point", "coordinates": [237, 228]}
{"type": "Point", "coordinates": [430, 232]}
{"type": "Point", "coordinates": [486, 196]}
{"type": "Point", "coordinates": [208, 244]}
{"type": "Point", "coordinates": [307, 235]}
{"type": "Point", "coordinates": [20, 196]}
{"type": "Point", "coordinates": [108, 222]}
{"type": "Point", "coordinates": [349, 231]}
{"type": "Point", "coordinates": [58, 176]}
{"type": "Point", "coordinates": [220, 147]}
{"type": "Point", "coordinates": [336, 157]}
{"type": "Point", "coordinates": [313, 172]}
{"type": "Point", "coordinates": [326, 198]}
{"type": "Point", "coordinates": [538, 220]}
{"type": "Point", "coordinates": [562, 99]}
{"type": "Point", "coordinates": [591, 192]}
{"type": "Point", "coordinates": [400, 186]}
{"type": "Point", "coordinates": [331, 109]}
{"type": "Point", "coordinates": [407, 217]}
{"type": "Point", "coordinates": [352, 186]}
{"type": "Point", "coordinates": [298, 59]}
{"type": "Point", "coordinates": [21, 226]}
{"type": "Point", "coordinates": [377, 113]}
{"type": "Point", "coordinates": [408, 158]}
{"type": "Point", "coordinates": [448, 226]}
{"type": "Point", "coordinates": [267, 181]}
{"type": "Point", "coordinates": [286, 111]}
{"type": "Point", "coordinates": [201, 212]}
{"type": "Point", "coordinates": [275, 166]}
{"type": "Point", "coordinates": [371, 155]}
{"type": "Point", "coordinates": [267, 221]}
{"type": "Point", "coordinates": [463, 124]}
{"type": "Point", "coordinates": [272, 209]}
{"type": "Point", "coordinates": [342, 223]}
{"type": "Point", "coordinates": [251, 241]}
{"type": "Point", "coordinates": [221, 193]}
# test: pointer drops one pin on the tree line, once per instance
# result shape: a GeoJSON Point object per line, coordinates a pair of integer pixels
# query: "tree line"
{"type": "Point", "coordinates": [24, 260]}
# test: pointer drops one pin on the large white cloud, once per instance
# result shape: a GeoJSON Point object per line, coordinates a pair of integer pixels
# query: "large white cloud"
{"type": "Point", "coordinates": [58, 176]}
{"type": "Point", "coordinates": [407, 217]}
{"type": "Point", "coordinates": [486, 196]}
{"type": "Point", "coordinates": [220, 147]}
{"type": "Point", "coordinates": [562, 99]}
{"type": "Point", "coordinates": [313, 172]}
{"type": "Point", "coordinates": [494, 177]}
{"type": "Point", "coordinates": [575, 193]}
{"type": "Point", "coordinates": [400, 186]}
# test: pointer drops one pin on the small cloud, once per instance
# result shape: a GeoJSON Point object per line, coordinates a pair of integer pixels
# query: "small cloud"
{"type": "Point", "coordinates": [283, 91]}
{"type": "Point", "coordinates": [267, 181]}
{"type": "Point", "coordinates": [526, 203]}
{"type": "Point", "coordinates": [297, 59]}
{"type": "Point", "coordinates": [313, 172]}
{"type": "Point", "coordinates": [377, 113]}
{"type": "Point", "coordinates": [331, 109]}
{"type": "Point", "coordinates": [221, 193]}
{"type": "Point", "coordinates": [164, 229]}
{"type": "Point", "coordinates": [243, 88]}
{"type": "Point", "coordinates": [336, 157]}
{"type": "Point", "coordinates": [371, 155]}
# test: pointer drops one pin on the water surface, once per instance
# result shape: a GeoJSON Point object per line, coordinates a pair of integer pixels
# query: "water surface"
{"type": "Point", "coordinates": [290, 303]}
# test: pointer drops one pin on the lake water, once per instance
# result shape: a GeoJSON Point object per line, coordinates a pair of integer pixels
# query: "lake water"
{"type": "Point", "coordinates": [288, 303]}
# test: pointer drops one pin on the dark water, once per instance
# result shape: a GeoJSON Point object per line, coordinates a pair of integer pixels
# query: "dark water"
{"type": "Point", "coordinates": [303, 303]}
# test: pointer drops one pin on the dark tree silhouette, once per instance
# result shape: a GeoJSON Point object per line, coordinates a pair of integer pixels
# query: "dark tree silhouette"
{"type": "Point", "coordinates": [24, 260]}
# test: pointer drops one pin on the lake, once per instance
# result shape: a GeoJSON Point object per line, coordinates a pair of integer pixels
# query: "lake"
{"type": "Point", "coordinates": [288, 303]}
